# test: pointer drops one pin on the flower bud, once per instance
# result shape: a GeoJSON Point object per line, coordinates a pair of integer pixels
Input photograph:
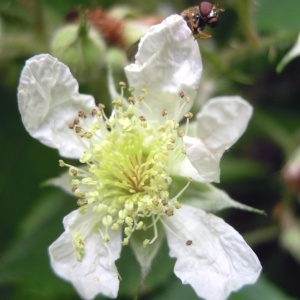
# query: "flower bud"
{"type": "Point", "coordinates": [81, 48]}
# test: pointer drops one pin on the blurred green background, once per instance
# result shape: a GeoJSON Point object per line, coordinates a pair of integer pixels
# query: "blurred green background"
{"type": "Point", "coordinates": [261, 170]}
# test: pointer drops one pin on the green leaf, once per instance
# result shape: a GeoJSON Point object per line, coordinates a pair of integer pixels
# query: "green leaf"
{"type": "Point", "coordinates": [269, 16]}
{"type": "Point", "coordinates": [263, 289]}
{"type": "Point", "coordinates": [25, 265]}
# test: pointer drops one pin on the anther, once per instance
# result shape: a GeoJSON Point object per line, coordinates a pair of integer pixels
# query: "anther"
{"type": "Point", "coordinates": [125, 241]}
{"type": "Point", "coordinates": [130, 99]}
{"type": "Point", "coordinates": [189, 242]}
{"type": "Point", "coordinates": [107, 220]}
{"type": "Point", "coordinates": [170, 147]}
{"type": "Point", "coordinates": [181, 133]}
{"type": "Point", "coordinates": [164, 112]}
{"type": "Point", "coordinates": [61, 163]}
{"type": "Point", "coordinates": [76, 121]}
{"type": "Point", "coordinates": [77, 129]}
{"type": "Point", "coordinates": [106, 238]}
{"type": "Point", "coordinates": [71, 126]}
{"type": "Point", "coordinates": [146, 243]}
{"type": "Point", "coordinates": [128, 231]}
{"type": "Point", "coordinates": [81, 202]}
{"type": "Point", "coordinates": [117, 102]}
{"type": "Point", "coordinates": [73, 171]}
{"type": "Point", "coordinates": [88, 135]}
{"type": "Point", "coordinates": [181, 94]}
{"type": "Point", "coordinates": [94, 112]}
{"type": "Point", "coordinates": [164, 202]}
{"type": "Point", "coordinates": [169, 212]}
{"type": "Point", "coordinates": [142, 118]}
{"type": "Point", "coordinates": [155, 201]}
{"type": "Point", "coordinates": [131, 89]}
{"type": "Point", "coordinates": [81, 114]}
{"type": "Point", "coordinates": [122, 85]}
{"type": "Point", "coordinates": [140, 225]}
{"type": "Point", "coordinates": [79, 193]}
{"type": "Point", "coordinates": [115, 227]}
{"type": "Point", "coordinates": [177, 204]}
{"type": "Point", "coordinates": [189, 115]}
{"type": "Point", "coordinates": [101, 106]}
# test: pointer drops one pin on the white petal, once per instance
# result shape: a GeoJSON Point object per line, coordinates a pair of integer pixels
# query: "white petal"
{"type": "Point", "coordinates": [204, 161]}
{"type": "Point", "coordinates": [222, 121]}
{"type": "Point", "coordinates": [96, 273]}
{"type": "Point", "coordinates": [168, 61]}
{"type": "Point", "coordinates": [218, 262]}
{"type": "Point", "coordinates": [49, 100]}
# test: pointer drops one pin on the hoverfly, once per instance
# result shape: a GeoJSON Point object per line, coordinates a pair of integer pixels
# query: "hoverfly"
{"type": "Point", "coordinates": [196, 17]}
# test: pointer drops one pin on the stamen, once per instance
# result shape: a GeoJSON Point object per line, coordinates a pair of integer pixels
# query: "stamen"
{"type": "Point", "coordinates": [182, 190]}
{"type": "Point", "coordinates": [127, 157]}
{"type": "Point", "coordinates": [122, 85]}
{"type": "Point", "coordinates": [155, 230]}
{"type": "Point", "coordinates": [173, 232]}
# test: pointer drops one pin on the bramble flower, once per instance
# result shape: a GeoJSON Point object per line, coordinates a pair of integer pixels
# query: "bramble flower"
{"type": "Point", "coordinates": [142, 177]}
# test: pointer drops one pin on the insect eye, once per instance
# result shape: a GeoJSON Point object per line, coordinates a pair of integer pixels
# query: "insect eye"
{"type": "Point", "coordinates": [205, 8]}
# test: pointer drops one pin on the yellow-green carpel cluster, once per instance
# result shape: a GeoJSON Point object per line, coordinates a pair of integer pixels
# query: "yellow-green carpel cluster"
{"type": "Point", "coordinates": [126, 174]}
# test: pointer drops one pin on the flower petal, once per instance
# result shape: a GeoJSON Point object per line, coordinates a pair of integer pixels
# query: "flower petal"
{"type": "Point", "coordinates": [49, 100]}
{"type": "Point", "coordinates": [217, 262]}
{"type": "Point", "coordinates": [203, 160]}
{"type": "Point", "coordinates": [168, 61]}
{"type": "Point", "coordinates": [222, 121]}
{"type": "Point", "coordinates": [96, 272]}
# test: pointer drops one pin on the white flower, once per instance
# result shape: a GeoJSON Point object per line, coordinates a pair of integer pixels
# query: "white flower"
{"type": "Point", "coordinates": [134, 160]}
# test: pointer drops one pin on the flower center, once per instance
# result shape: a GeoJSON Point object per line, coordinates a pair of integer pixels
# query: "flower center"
{"type": "Point", "coordinates": [126, 178]}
